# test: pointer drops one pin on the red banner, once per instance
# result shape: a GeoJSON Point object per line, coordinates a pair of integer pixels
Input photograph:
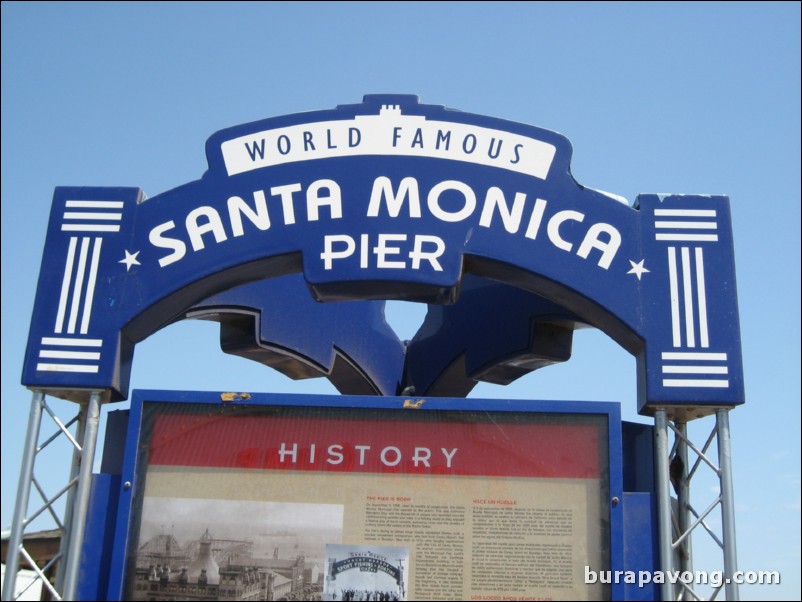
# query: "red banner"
{"type": "Point", "coordinates": [556, 450]}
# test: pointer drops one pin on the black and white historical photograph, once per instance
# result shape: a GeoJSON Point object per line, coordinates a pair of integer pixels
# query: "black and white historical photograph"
{"type": "Point", "coordinates": [366, 573]}
{"type": "Point", "coordinates": [209, 549]}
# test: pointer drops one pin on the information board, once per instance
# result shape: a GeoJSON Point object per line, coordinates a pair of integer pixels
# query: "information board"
{"type": "Point", "coordinates": [301, 497]}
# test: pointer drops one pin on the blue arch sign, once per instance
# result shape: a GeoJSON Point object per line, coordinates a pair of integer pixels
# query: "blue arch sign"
{"type": "Point", "coordinates": [387, 199]}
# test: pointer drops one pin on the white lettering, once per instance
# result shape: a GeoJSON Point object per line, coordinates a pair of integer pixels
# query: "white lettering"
{"type": "Point", "coordinates": [449, 455]}
{"type": "Point", "coordinates": [433, 201]}
{"type": "Point", "coordinates": [335, 454]}
{"type": "Point", "coordinates": [417, 254]}
{"type": "Point", "coordinates": [448, 201]}
{"type": "Point", "coordinates": [553, 229]}
{"type": "Point", "coordinates": [382, 250]}
{"type": "Point", "coordinates": [425, 248]}
{"type": "Point", "coordinates": [714, 578]}
{"type": "Point", "coordinates": [292, 453]}
{"type": "Point", "coordinates": [421, 456]}
{"type": "Point", "coordinates": [314, 200]}
{"type": "Point", "coordinates": [383, 189]}
{"type": "Point", "coordinates": [362, 449]}
{"type": "Point", "coordinates": [157, 240]}
{"type": "Point", "coordinates": [196, 230]}
{"type": "Point", "coordinates": [385, 453]}
{"type": "Point", "coordinates": [608, 249]}
{"type": "Point", "coordinates": [364, 248]}
{"type": "Point", "coordinates": [536, 218]}
{"type": "Point", "coordinates": [329, 254]}
{"type": "Point", "coordinates": [510, 217]}
{"type": "Point", "coordinates": [286, 192]}
{"type": "Point", "coordinates": [258, 216]}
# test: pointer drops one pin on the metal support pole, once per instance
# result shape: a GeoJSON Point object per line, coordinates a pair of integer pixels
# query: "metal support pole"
{"type": "Point", "coordinates": [684, 517]}
{"type": "Point", "coordinates": [661, 449]}
{"type": "Point", "coordinates": [68, 510]}
{"type": "Point", "coordinates": [727, 503]}
{"type": "Point", "coordinates": [23, 493]}
{"type": "Point", "coordinates": [81, 504]}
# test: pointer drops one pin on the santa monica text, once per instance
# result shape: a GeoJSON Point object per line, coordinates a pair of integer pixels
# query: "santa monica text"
{"type": "Point", "coordinates": [516, 212]}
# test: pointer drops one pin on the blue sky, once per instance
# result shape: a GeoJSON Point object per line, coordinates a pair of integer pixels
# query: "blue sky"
{"type": "Point", "coordinates": [655, 97]}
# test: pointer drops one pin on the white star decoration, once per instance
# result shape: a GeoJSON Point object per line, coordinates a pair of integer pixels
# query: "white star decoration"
{"type": "Point", "coordinates": [130, 260]}
{"type": "Point", "coordinates": [638, 268]}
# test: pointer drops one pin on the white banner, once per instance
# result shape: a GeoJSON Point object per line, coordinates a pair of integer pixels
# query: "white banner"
{"type": "Point", "coordinates": [389, 133]}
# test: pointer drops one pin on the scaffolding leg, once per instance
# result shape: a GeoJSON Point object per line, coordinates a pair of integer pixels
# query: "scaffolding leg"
{"type": "Point", "coordinates": [677, 525]}
{"type": "Point", "coordinates": [23, 493]}
{"type": "Point", "coordinates": [664, 501]}
{"type": "Point", "coordinates": [70, 502]}
{"type": "Point", "coordinates": [678, 469]}
{"type": "Point", "coordinates": [81, 502]}
{"type": "Point", "coordinates": [727, 503]}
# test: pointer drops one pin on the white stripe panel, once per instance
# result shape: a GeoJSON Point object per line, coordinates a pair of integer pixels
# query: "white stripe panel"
{"type": "Point", "coordinates": [691, 356]}
{"type": "Point", "coordinates": [682, 237]}
{"type": "Point", "coordinates": [95, 204]}
{"type": "Point", "coordinates": [705, 384]}
{"type": "Point", "coordinates": [690, 334]}
{"type": "Point", "coordinates": [701, 297]}
{"type": "Point", "coordinates": [672, 275]}
{"type": "Point", "coordinates": [695, 370]}
{"type": "Point", "coordinates": [65, 285]}
{"type": "Point", "coordinates": [79, 285]}
{"type": "Point", "coordinates": [685, 213]}
{"type": "Point", "coordinates": [89, 228]}
{"type": "Point", "coordinates": [72, 342]}
{"type": "Point", "coordinates": [685, 225]}
{"type": "Point", "coordinates": [69, 355]}
{"type": "Point", "coordinates": [67, 368]}
{"type": "Point", "coordinates": [84, 215]}
{"type": "Point", "coordinates": [90, 286]}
